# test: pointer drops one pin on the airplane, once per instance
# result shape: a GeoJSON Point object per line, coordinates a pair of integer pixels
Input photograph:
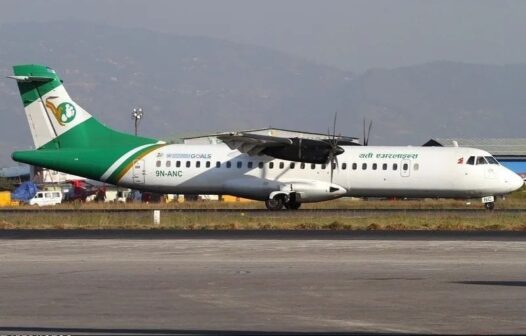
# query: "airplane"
{"type": "Point", "coordinates": [283, 172]}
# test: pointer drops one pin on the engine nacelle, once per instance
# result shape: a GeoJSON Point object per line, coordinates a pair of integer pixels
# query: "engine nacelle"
{"type": "Point", "coordinates": [309, 191]}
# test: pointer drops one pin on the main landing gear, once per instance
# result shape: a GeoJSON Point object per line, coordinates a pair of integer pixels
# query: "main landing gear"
{"type": "Point", "coordinates": [280, 201]}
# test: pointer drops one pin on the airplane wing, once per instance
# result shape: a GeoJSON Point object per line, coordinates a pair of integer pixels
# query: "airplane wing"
{"type": "Point", "coordinates": [292, 149]}
{"type": "Point", "coordinates": [253, 144]}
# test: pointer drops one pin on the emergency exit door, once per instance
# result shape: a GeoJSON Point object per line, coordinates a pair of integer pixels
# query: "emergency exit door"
{"type": "Point", "coordinates": [405, 168]}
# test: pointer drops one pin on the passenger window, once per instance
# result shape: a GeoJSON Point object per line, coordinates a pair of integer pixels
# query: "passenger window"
{"type": "Point", "coordinates": [271, 165]}
{"type": "Point", "coordinates": [48, 195]}
{"type": "Point", "coordinates": [405, 166]}
{"type": "Point", "coordinates": [188, 164]}
{"type": "Point", "coordinates": [207, 164]}
{"type": "Point", "coordinates": [260, 165]}
{"type": "Point", "coordinates": [491, 160]}
{"type": "Point", "coordinates": [471, 160]}
{"type": "Point", "coordinates": [312, 166]}
{"type": "Point", "coordinates": [239, 164]}
{"type": "Point", "coordinates": [281, 165]}
{"type": "Point", "coordinates": [364, 166]}
{"type": "Point", "coordinates": [481, 160]}
{"type": "Point", "coordinates": [249, 165]}
{"type": "Point", "coordinates": [416, 166]}
{"type": "Point", "coordinates": [344, 165]}
{"type": "Point", "coordinates": [292, 165]}
{"type": "Point", "coordinates": [40, 195]}
{"type": "Point", "coordinates": [384, 166]}
{"type": "Point", "coordinates": [168, 164]}
{"type": "Point", "coordinates": [395, 166]}
{"type": "Point", "coordinates": [302, 165]}
{"type": "Point", "coordinates": [178, 164]}
{"type": "Point", "coordinates": [375, 166]}
{"type": "Point", "coordinates": [56, 194]}
{"type": "Point", "coordinates": [158, 164]}
{"type": "Point", "coordinates": [333, 165]}
{"type": "Point", "coordinates": [197, 164]}
{"type": "Point", "coordinates": [218, 164]}
{"type": "Point", "coordinates": [354, 166]}
{"type": "Point", "coordinates": [228, 164]}
{"type": "Point", "coordinates": [323, 166]}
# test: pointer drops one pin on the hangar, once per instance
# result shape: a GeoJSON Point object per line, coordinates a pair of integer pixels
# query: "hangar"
{"type": "Point", "coordinates": [511, 153]}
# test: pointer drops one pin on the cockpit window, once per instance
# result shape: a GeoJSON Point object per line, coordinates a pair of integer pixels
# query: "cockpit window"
{"type": "Point", "coordinates": [471, 160]}
{"type": "Point", "coordinates": [481, 160]}
{"type": "Point", "coordinates": [492, 160]}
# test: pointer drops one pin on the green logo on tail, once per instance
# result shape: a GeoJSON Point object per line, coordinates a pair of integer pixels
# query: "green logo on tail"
{"type": "Point", "coordinates": [64, 113]}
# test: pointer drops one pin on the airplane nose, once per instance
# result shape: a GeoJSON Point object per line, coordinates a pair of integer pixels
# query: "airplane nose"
{"type": "Point", "coordinates": [514, 181]}
{"type": "Point", "coordinates": [518, 182]}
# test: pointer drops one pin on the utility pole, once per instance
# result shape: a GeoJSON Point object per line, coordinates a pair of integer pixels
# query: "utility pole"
{"type": "Point", "coordinates": [137, 115]}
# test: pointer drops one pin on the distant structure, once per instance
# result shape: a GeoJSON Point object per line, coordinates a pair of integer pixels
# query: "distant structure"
{"type": "Point", "coordinates": [208, 139]}
{"type": "Point", "coordinates": [137, 115]}
{"type": "Point", "coordinates": [511, 153]}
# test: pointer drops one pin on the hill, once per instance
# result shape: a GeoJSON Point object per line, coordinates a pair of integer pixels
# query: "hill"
{"type": "Point", "coordinates": [189, 84]}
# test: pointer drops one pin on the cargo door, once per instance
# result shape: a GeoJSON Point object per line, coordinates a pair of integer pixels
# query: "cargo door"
{"type": "Point", "coordinates": [139, 172]}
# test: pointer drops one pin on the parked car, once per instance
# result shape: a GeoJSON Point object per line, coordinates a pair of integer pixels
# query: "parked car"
{"type": "Point", "coordinates": [43, 198]}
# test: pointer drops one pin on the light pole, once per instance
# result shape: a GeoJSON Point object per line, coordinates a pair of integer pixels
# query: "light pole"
{"type": "Point", "coordinates": [137, 115]}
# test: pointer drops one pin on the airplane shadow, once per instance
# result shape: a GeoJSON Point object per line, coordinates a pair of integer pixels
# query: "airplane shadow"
{"type": "Point", "coordinates": [493, 283]}
{"type": "Point", "coordinates": [181, 332]}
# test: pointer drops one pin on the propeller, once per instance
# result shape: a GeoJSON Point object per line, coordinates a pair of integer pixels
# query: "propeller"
{"type": "Point", "coordinates": [334, 150]}
{"type": "Point", "coordinates": [367, 134]}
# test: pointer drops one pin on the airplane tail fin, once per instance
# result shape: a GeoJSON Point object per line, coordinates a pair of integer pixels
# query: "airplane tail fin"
{"type": "Point", "coordinates": [66, 137]}
{"type": "Point", "coordinates": [56, 121]}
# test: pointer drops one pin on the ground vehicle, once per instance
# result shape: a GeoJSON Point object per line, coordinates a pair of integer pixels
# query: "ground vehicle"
{"type": "Point", "coordinates": [43, 198]}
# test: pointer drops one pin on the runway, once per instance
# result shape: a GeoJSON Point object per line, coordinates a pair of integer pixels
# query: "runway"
{"type": "Point", "coordinates": [419, 283]}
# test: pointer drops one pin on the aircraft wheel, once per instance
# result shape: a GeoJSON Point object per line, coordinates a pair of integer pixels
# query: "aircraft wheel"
{"type": "Point", "coordinates": [274, 204]}
{"type": "Point", "coordinates": [489, 206]}
{"type": "Point", "coordinates": [292, 205]}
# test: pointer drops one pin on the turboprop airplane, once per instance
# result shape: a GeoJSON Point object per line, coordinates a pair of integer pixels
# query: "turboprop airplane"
{"type": "Point", "coordinates": [283, 172]}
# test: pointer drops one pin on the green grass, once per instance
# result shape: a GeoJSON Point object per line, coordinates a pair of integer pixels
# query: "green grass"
{"type": "Point", "coordinates": [184, 221]}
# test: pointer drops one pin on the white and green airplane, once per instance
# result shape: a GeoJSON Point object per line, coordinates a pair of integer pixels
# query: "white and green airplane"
{"type": "Point", "coordinates": [283, 172]}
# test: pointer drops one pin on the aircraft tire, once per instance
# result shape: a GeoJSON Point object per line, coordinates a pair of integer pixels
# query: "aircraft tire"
{"type": "Point", "coordinates": [274, 204]}
{"type": "Point", "coordinates": [292, 205]}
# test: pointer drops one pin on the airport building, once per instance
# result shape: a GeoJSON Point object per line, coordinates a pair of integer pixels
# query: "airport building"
{"type": "Point", "coordinates": [511, 153]}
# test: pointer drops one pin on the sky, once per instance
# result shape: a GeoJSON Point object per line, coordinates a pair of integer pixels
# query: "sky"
{"type": "Point", "coordinates": [350, 35]}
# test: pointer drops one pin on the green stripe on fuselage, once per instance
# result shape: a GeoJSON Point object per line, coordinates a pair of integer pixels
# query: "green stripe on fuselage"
{"type": "Point", "coordinates": [127, 164]}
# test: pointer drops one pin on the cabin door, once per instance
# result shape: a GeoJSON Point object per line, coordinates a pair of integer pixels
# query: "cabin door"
{"type": "Point", "coordinates": [405, 168]}
{"type": "Point", "coordinates": [139, 171]}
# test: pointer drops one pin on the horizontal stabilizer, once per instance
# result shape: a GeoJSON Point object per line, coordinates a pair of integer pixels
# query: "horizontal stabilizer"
{"type": "Point", "coordinates": [26, 79]}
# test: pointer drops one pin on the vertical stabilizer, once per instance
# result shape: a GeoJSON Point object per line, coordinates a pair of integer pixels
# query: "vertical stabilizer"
{"type": "Point", "coordinates": [49, 109]}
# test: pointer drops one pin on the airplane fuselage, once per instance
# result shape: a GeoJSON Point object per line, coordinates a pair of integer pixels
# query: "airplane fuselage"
{"type": "Point", "coordinates": [360, 171]}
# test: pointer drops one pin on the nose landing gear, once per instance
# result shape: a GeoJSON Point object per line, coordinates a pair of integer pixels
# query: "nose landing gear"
{"type": "Point", "coordinates": [489, 202]}
{"type": "Point", "coordinates": [489, 205]}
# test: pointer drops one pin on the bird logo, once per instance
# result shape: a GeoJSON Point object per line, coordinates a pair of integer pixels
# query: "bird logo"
{"type": "Point", "coordinates": [64, 113]}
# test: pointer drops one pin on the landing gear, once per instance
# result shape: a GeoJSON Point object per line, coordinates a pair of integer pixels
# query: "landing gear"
{"type": "Point", "coordinates": [292, 205]}
{"type": "Point", "coordinates": [489, 205]}
{"type": "Point", "coordinates": [274, 204]}
{"type": "Point", "coordinates": [489, 202]}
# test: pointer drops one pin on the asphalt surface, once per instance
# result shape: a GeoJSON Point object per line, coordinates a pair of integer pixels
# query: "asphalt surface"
{"type": "Point", "coordinates": [233, 285]}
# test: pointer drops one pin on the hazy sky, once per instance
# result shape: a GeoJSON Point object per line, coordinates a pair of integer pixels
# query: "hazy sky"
{"type": "Point", "coordinates": [353, 35]}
